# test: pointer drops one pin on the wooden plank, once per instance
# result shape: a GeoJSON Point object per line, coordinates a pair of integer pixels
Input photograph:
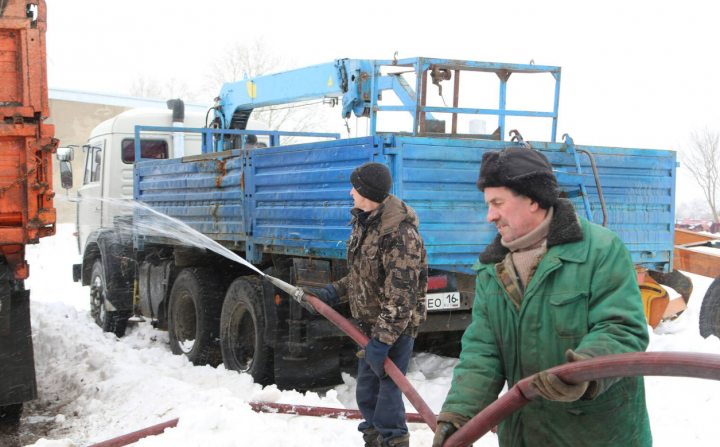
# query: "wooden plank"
{"type": "Point", "coordinates": [683, 237]}
{"type": "Point", "coordinates": [688, 260]}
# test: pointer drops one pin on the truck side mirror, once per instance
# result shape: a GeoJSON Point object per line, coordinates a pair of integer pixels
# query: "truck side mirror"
{"type": "Point", "coordinates": [66, 175]}
{"type": "Point", "coordinates": [65, 154]}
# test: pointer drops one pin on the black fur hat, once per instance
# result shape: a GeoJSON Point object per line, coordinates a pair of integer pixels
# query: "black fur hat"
{"type": "Point", "coordinates": [525, 171]}
{"type": "Point", "coordinates": [372, 180]}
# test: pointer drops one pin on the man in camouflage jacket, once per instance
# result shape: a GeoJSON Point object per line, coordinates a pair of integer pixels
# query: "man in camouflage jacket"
{"type": "Point", "coordinates": [386, 287]}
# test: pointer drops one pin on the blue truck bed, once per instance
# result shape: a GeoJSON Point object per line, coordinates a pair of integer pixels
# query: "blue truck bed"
{"type": "Point", "coordinates": [295, 199]}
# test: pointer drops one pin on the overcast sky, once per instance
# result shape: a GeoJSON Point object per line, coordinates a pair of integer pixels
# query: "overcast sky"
{"type": "Point", "coordinates": [635, 73]}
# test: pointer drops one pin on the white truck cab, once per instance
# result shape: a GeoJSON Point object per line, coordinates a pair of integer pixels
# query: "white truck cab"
{"type": "Point", "coordinates": [110, 154]}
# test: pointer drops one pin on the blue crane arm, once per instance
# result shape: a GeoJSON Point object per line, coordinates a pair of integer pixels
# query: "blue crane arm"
{"type": "Point", "coordinates": [329, 80]}
{"type": "Point", "coordinates": [304, 84]}
{"type": "Point", "coordinates": [350, 79]}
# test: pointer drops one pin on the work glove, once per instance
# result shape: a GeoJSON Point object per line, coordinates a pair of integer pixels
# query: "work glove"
{"type": "Point", "coordinates": [327, 294]}
{"type": "Point", "coordinates": [447, 424]}
{"type": "Point", "coordinates": [308, 307]}
{"type": "Point", "coordinates": [374, 354]}
{"type": "Point", "coordinates": [551, 387]}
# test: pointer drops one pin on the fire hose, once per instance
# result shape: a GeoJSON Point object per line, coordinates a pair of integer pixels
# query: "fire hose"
{"type": "Point", "coordinates": [260, 407]}
{"type": "Point", "coordinates": [673, 364]}
{"type": "Point", "coordinates": [694, 365]}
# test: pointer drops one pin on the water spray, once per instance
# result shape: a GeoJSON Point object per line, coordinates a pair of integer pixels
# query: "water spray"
{"type": "Point", "coordinates": [147, 221]}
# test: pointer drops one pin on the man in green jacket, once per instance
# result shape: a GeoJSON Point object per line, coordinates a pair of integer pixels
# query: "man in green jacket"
{"type": "Point", "coordinates": [551, 288]}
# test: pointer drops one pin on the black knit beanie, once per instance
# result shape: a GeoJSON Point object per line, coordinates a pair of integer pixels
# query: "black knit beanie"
{"type": "Point", "coordinates": [524, 170]}
{"type": "Point", "coordinates": [372, 180]}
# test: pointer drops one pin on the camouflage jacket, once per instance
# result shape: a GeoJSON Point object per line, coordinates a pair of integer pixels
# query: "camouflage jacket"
{"type": "Point", "coordinates": [387, 279]}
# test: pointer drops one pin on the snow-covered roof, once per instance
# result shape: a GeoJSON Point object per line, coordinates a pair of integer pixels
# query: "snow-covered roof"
{"type": "Point", "coordinates": [113, 99]}
{"type": "Point", "coordinates": [126, 121]}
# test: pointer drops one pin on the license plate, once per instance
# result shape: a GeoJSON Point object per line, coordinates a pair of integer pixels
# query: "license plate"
{"type": "Point", "coordinates": [446, 300]}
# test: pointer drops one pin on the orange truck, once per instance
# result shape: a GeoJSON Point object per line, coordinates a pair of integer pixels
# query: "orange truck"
{"type": "Point", "coordinates": [26, 197]}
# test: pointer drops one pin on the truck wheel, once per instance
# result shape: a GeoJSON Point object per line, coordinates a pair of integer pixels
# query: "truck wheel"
{"type": "Point", "coordinates": [109, 321]}
{"type": "Point", "coordinates": [242, 327]}
{"type": "Point", "coordinates": [194, 316]}
{"type": "Point", "coordinates": [710, 311]}
{"type": "Point", "coordinates": [10, 415]}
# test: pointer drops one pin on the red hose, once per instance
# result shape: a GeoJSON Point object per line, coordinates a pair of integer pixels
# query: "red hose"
{"type": "Point", "coordinates": [675, 364]}
{"type": "Point", "coordinates": [260, 407]}
{"type": "Point", "coordinates": [304, 410]}
{"type": "Point", "coordinates": [398, 377]}
{"type": "Point", "coordinates": [135, 436]}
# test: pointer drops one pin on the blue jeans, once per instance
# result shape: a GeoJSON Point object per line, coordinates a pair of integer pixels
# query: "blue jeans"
{"type": "Point", "coordinates": [379, 399]}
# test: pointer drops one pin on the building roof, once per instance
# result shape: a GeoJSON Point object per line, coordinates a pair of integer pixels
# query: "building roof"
{"type": "Point", "coordinates": [113, 99]}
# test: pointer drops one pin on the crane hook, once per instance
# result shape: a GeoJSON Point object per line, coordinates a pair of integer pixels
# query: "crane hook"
{"type": "Point", "coordinates": [516, 137]}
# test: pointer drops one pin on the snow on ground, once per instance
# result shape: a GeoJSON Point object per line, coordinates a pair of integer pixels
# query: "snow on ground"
{"type": "Point", "coordinates": [103, 387]}
{"type": "Point", "coordinates": [708, 250]}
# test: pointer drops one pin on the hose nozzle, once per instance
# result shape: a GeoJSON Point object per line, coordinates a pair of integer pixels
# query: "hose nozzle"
{"type": "Point", "coordinates": [295, 292]}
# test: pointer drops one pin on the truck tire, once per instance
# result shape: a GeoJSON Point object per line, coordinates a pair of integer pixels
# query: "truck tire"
{"type": "Point", "coordinates": [710, 311]}
{"type": "Point", "coordinates": [242, 328]}
{"type": "Point", "coordinates": [109, 321]}
{"type": "Point", "coordinates": [194, 316]}
{"type": "Point", "coordinates": [10, 415]}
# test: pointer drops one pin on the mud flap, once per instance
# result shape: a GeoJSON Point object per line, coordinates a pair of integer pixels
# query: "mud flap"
{"type": "Point", "coordinates": [306, 355]}
{"type": "Point", "coordinates": [682, 285]}
{"type": "Point", "coordinates": [77, 272]}
{"type": "Point", "coordinates": [318, 367]}
{"type": "Point", "coordinates": [17, 362]}
{"type": "Point", "coordinates": [119, 264]}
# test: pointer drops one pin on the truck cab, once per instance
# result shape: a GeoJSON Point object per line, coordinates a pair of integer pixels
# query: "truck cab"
{"type": "Point", "coordinates": [105, 200]}
{"type": "Point", "coordinates": [110, 155]}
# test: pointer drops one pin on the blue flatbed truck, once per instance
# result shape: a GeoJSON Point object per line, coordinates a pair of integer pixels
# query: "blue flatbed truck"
{"type": "Point", "coordinates": [285, 209]}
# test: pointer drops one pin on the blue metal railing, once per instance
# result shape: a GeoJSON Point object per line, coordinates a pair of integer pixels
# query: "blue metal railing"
{"type": "Point", "coordinates": [207, 136]}
{"type": "Point", "coordinates": [503, 71]}
{"type": "Point", "coordinates": [359, 82]}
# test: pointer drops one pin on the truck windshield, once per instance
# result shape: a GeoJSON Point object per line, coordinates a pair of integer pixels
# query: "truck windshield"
{"type": "Point", "coordinates": [155, 149]}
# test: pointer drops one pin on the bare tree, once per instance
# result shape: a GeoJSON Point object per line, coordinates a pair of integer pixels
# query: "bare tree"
{"type": "Point", "coordinates": [693, 209]}
{"type": "Point", "coordinates": [144, 87]}
{"type": "Point", "coordinates": [176, 88]}
{"type": "Point", "coordinates": [242, 61]}
{"type": "Point", "coordinates": [701, 156]}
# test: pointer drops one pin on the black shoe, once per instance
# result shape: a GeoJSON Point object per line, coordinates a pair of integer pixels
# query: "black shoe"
{"type": "Point", "coordinates": [372, 437]}
{"type": "Point", "coordinates": [400, 441]}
